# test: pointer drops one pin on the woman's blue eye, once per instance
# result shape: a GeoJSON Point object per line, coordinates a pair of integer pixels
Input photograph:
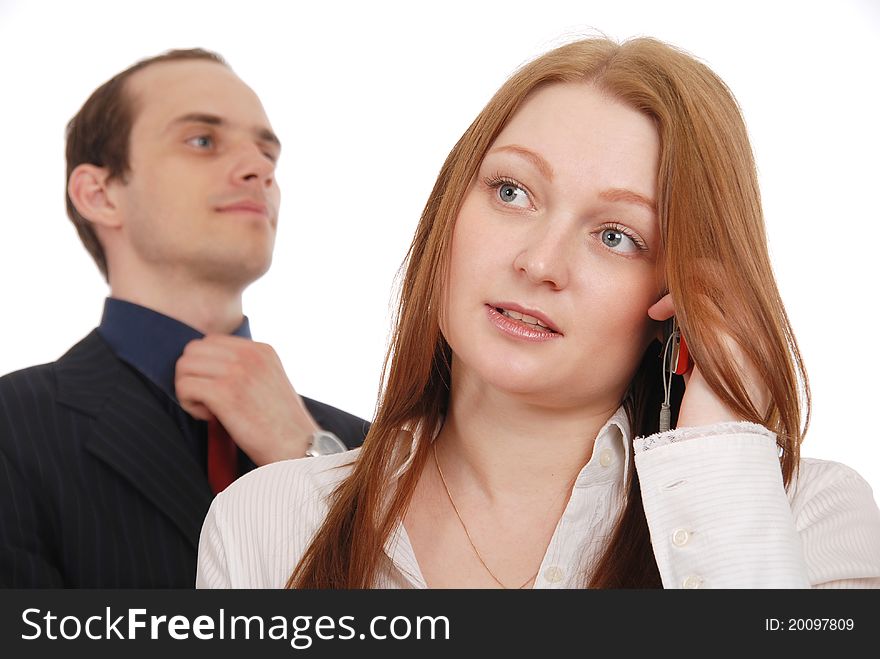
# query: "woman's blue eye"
{"type": "Point", "coordinates": [614, 237]}
{"type": "Point", "coordinates": [513, 195]}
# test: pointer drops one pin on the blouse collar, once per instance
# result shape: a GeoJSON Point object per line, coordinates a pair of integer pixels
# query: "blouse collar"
{"type": "Point", "coordinates": [612, 448]}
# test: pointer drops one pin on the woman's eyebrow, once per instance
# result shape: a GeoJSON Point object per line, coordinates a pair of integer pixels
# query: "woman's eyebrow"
{"type": "Point", "coordinates": [611, 194]}
{"type": "Point", "coordinates": [535, 159]}
{"type": "Point", "coordinates": [628, 196]}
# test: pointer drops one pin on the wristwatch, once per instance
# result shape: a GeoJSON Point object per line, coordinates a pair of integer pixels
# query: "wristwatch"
{"type": "Point", "coordinates": [324, 442]}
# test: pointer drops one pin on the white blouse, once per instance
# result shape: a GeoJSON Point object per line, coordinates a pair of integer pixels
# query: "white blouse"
{"type": "Point", "coordinates": [717, 511]}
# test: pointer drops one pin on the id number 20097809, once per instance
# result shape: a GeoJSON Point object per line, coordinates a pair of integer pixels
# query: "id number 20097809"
{"type": "Point", "coordinates": [808, 624]}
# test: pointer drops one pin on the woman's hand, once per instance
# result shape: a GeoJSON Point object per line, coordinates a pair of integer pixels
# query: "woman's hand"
{"type": "Point", "coordinates": [700, 406]}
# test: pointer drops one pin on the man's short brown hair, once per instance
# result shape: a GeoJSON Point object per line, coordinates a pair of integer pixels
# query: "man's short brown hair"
{"type": "Point", "coordinates": [99, 135]}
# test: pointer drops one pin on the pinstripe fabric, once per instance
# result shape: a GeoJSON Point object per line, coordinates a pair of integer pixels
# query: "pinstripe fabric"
{"type": "Point", "coordinates": [717, 511]}
{"type": "Point", "coordinates": [97, 488]}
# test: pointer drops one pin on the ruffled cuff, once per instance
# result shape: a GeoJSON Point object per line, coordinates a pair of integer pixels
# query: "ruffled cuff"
{"type": "Point", "coordinates": [642, 444]}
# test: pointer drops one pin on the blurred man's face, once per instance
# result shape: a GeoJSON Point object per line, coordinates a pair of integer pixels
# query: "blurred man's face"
{"type": "Point", "coordinates": [201, 197]}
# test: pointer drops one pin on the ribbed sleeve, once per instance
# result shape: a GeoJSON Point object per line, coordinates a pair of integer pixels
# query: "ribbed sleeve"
{"type": "Point", "coordinates": [260, 526]}
{"type": "Point", "coordinates": [720, 517]}
{"type": "Point", "coordinates": [839, 524]}
{"type": "Point", "coordinates": [212, 571]}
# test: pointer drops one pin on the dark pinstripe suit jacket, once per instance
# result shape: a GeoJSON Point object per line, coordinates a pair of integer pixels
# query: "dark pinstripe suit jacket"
{"type": "Point", "coordinates": [97, 486]}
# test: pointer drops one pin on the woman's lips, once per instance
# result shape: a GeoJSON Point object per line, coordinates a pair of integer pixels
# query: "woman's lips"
{"type": "Point", "coordinates": [517, 328]}
{"type": "Point", "coordinates": [530, 316]}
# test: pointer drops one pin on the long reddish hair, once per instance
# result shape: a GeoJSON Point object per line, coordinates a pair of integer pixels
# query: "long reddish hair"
{"type": "Point", "coordinates": [712, 231]}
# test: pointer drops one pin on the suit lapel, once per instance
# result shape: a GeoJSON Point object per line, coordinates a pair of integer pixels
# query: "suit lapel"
{"type": "Point", "coordinates": [133, 435]}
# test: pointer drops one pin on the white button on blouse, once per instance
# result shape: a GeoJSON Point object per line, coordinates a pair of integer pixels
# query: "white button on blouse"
{"type": "Point", "coordinates": [680, 537]}
{"type": "Point", "coordinates": [553, 574]}
{"type": "Point", "coordinates": [692, 581]}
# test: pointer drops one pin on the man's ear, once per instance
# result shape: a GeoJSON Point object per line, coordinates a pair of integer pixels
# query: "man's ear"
{"type": "Point", "coordinates": [90, 191]}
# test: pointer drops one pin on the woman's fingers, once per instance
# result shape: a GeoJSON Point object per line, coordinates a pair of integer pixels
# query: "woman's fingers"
{"type": "Point", "coordinates": [663, 309]}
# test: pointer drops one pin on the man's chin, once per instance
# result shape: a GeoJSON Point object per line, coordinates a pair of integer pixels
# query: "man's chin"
{"type": "Point", "coordinates": [235, 273]}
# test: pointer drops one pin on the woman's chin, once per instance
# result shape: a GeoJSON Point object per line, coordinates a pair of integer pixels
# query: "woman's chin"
{"type": "Point", "coordinates": [523, 382]}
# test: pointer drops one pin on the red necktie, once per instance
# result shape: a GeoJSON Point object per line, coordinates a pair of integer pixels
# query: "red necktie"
{"type": "Point", "coordinates": [222, 457]}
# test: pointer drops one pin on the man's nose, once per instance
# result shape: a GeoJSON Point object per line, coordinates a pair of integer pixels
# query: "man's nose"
{"type": "Point", "coordinates": [253, 165]}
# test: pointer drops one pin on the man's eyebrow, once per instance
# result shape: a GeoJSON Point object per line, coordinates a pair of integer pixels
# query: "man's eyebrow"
{"type": "Point", "coordinates": [198, 118]}
{"type": "Point", "coordinates": [262, 133]}
{"type": "Point", "coordinates": [268, 136]}
{"type": "Point", "coordinates": [540, 164]}
{"type": "Point", "coordinates": [628, 196]}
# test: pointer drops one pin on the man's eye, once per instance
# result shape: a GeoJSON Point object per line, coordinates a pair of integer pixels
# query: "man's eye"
{"type": "Point", "coordinates": [201, 141]}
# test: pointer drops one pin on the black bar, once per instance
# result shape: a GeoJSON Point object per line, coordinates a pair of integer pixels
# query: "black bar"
{"type": "Point", "coordinates": [525, 623]}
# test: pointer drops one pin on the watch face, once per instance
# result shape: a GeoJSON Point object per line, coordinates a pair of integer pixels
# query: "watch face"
{"type": "Point", "coordinates": [326, 443]}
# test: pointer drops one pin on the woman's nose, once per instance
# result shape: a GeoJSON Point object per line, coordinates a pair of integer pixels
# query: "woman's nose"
{"type": "Point", "coordinates": [545, 257]}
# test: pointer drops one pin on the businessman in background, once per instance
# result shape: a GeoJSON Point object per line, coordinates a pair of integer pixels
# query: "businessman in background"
{"type": "Point", "coordinates": [109, 457]}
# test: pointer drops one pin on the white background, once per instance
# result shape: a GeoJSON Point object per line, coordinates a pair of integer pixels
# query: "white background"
{"type": "Point", "coordinates": [369, 97]}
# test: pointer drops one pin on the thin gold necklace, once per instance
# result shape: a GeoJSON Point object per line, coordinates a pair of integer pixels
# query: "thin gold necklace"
{"type": "Point", "coordinates": [464, 526]}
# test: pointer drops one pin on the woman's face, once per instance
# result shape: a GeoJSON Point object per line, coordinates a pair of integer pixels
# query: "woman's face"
{"type": "Point", "coordinates": [554, 257]}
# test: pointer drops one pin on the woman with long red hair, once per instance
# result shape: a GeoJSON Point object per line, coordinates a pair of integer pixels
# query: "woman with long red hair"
{"type": "Point", "coordinates": [520, 438]}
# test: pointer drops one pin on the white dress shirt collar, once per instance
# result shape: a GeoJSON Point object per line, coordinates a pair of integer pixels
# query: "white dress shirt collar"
{"type": "Point", "coordinates": [613, 444]}
{"type": "Point", "coordinates": [578, 539]}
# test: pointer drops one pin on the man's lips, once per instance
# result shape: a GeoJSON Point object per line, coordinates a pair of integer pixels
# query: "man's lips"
{"type": "Point", "coordinates": [526, 315]}
{"type": "Point", "coordinates": [245, 206]}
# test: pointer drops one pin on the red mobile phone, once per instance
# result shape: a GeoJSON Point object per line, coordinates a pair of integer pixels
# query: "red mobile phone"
{"type": "Point", "coordinates": [679, 359]}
